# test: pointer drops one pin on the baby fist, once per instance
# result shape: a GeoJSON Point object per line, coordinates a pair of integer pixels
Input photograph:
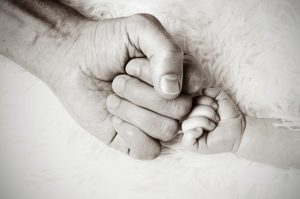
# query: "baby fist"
{"type": "Point", "coordinates": [215, 124]}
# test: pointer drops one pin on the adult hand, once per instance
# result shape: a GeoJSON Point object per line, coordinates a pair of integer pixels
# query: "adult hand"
{"type": "Point", "coordinates": [79, 58]}
{"type": "Point", "coordinates": [102, 51]}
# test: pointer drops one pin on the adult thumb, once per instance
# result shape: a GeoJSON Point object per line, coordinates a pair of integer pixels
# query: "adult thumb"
{"type": "Point", "coordinates": [149, 37]}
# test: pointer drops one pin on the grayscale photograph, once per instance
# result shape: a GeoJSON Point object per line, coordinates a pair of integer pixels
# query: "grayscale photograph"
{"type": "Point", "coordinates": [148, 99]}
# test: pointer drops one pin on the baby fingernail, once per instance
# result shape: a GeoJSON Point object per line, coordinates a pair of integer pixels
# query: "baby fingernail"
{"type": "Point", "coordinates": [169, 84]}
{"type": "Point", "coordinates": [215, 106]}
{"type": "Point", "coordinates": [112, 102]}
{"type": "Point", "coordinates": [213, 124]}
{"type": "Point", "coordinates": [217, 118]}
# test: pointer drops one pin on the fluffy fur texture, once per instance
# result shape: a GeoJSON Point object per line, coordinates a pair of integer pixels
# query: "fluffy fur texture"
{"type": "Point", "coordinates": [250, 48]}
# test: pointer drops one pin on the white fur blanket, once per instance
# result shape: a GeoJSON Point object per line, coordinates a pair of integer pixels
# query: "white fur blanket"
{"type": "Point", "coordinates": [250, 48]}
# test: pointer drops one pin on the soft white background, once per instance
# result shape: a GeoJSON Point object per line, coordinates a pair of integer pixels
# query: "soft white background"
{"type": "Point", "coordinates": [251, 48]}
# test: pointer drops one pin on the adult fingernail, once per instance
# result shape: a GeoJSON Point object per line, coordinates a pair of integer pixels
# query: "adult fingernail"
{"type": "Point", "coordinates": [112, 102]}
{"type": "Point", "coordinates": [119, 83]}
{"type": "Point", "coordinates": [117, 120]}
{"type": "Point", "coordinates": [169, 84]}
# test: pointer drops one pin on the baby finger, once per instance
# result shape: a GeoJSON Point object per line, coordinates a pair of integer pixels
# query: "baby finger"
{"type": "Point", "coordinates": [190, 139]}
{"type": "Point", "coordinates": [205, 111]}
{"type": "Point", "coordinates": [198, 122]}
{"type": "Point", "coordinates": [205, 100]}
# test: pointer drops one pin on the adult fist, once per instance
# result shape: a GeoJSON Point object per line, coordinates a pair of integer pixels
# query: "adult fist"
{"type": "Point", "coordinates": [78, 58]}
{"type": "Point", "coordinates": [101, 52]}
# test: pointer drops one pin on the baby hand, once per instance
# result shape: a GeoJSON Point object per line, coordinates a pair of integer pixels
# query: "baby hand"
{"type": "Point", "coordinates": [215, 124]}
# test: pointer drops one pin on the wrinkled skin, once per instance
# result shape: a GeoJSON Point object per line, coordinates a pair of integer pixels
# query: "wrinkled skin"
{"type": "Point", "coordinates": [101, 50]}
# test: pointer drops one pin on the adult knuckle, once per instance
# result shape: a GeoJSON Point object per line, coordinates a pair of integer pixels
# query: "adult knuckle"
{"type": "Point", "coordinates": [133, 81]}
{"type": "Point", "coordinates": [194, 85]}
{"type": "Point", "coordinates": [170, 129]}
{"type": "Point", "coordinates": [107, 138]}
{"type": "Point", "coordinates": [171, 50]}
{"type": "Point", "coordinates": [152, 152]}
{"type": "Point", "coordinates": [145, 17]}
{"type": "Point", "coordinates": [113, 103]}
{"type": "Point", "coordinates": [133, 87]}
{"type": "Point", "coordinates": [139, 155]}
{"type": "Point", "coordinates": [176, 49]}
{"type": "Point", "coordinates": [182, 107]}
{"type": "Point", "coordinates": [155, 151]}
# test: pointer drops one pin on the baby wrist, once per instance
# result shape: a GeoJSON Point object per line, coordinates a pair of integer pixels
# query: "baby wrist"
{"type": "Point", "coordinates": [238, 142]}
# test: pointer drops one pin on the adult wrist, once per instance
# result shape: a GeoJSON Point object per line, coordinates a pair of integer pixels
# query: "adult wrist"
{"type": "Point", "coordinates": [38, 38]}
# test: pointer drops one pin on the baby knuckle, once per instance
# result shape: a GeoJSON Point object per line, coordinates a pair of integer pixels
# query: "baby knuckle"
{"type": "Point", "coordinates": [206, 110]}
{"type": "Point", "coordinates": [206, 121]}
